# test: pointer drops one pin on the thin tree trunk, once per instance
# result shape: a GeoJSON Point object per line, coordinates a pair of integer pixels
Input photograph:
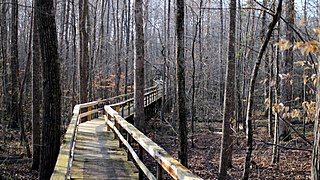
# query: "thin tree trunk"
{"type": "Point", "coordinates": [23, 138]}
{"type": "Point", "coordinates": [275, 152]}
{"type": "Point", "coordinates": [84, 55]}
{"type": "Point", "coordinates": [287, 69]}
{"type": "Point", "coordinates": [180, 84]}
{"type": "Point", "coordinates": [221, 67]}
{"type": "Point", "coordinates": [229, 92]}
{"type": "Point", "coordinates": [139, 117]}
{"type": "Point", "coordinates": [270, 94]}
{"type": "Point", "coordinates": [74, 57]}
{"type": "Point", "coordinates": [249, 132]}
{"type": "Point", "coordinates": [36, 89]}
{"type": "Point", "coordinates": [128, 18]}
{"type": "Point", "coordinates": [315, 164]}
{"type": "Point", "coordinates": [193, 108]}
{"type": "Point", "coordinates": [14, 66]}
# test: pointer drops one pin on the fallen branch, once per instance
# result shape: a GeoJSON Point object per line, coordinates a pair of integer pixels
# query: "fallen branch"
{"type": "Point", "coordinates": [285, 147]}
{"type": "Point", "coordinates": [13, 161]}
{"type": "Point", "coordinates": [291, 126]}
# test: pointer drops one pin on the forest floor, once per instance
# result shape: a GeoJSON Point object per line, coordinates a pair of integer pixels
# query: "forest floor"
{"type": "Point", "coordinates": [13, 161]}
{"type": "Point", "coordinates": [203, 157]}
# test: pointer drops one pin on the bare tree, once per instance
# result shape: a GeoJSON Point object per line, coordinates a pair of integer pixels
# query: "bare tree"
{"type": "Point", "coordinates": [84, 54]}
{"type": "Point", "coordinates": [286, 69]}
{"type": "Point", "coordinates": [51, 88]}
{"type": "Point", "coordinates": [315, 164]}
{"type": "Point", "coordinates": [36, 89]}
{"type": "Point", "coordinates": [139, 119]}
{"type": "Point", "coordinates": [249, 131]}
{"type": "Point", "coordinates": [14, 65]}
{"type": "Point", "coordinates": [180, 84]}
{"type": "Point", "coordinates": [229, 98]}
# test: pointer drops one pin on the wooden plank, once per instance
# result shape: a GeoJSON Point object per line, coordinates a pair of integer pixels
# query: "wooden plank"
{"type": "Point", "coordinates": [168, 163]}
{"type": "Point", "coordinates": [62, 167]}
{"type": "Point", "coordinates": [65, 158]}
{"type": "Point", "coordinates": [132, 152]}
{"type": "Point", "coordinates": [89, 113]}
{"type": "Point", "coordinates": [97, 155]}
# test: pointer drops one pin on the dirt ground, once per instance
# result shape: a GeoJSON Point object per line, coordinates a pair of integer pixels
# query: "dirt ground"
{"type": "Point", "coordinates": [203, 157]}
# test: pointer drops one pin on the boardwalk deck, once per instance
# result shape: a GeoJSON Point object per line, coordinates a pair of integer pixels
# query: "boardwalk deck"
{"type": "Point", "coordinates": [98, 156]}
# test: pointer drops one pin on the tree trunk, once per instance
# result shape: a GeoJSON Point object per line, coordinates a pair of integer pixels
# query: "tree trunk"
{"type": "Point", "coordinates": [315, 164]}
{"type": "Point", "coordinates": [84, 54]}
{"type": "Point", "coordinates": [51, 89]}
{"type": "Point", "coordinates": [229, 98]}
{"type": "Point", "coordinates": [23, 138]}
{"type": "Point", "coordinates": [36, 89]}
{"type": "Point", "coordinates": [249, 132]}
{"type": "Point", "coordinates": [180, 84]}
{"type": "Point", "coordinates": [275, 152]}
{"type": "Point", "coordinates": [287, 67]}
{"type": "Point", "coordinates": [14, 66]}
{"type": "Point", "coordinates": [74, 57]}
{"type": "Point", "coordinates": [193, 107]}
{"type": "Point", "coordinates": [221, 34]}
{"type": "Point", "coordinates": [4, 55]}
{"type": "Point", "coordinates": [139, 119]}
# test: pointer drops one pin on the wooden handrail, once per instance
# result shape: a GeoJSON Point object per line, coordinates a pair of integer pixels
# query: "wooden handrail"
{"type": "Point", "coordinates": [174, 168]}
{"type": "Point", "coordinates": [63, 165]}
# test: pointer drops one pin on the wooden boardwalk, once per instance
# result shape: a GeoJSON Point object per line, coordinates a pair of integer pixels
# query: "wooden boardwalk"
{"type": "Point", "coordinates": [97, 154]}
{"type": "Point", "coordinates": [89, 151]}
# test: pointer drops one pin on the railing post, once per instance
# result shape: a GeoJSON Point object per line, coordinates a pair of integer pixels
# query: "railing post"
{"type": "Point", "coordinates": [153, 94]}
{"type": "Point", "coordinates": [128, 108]}
{"type": "Point", "coordinates": [122, 110]}
{"type": "Point", "coordinates": [116, 126]}
{"type": "Point", "coordinates": [129, 142]}
{"type": "Point", "coordinates": [108, 127]}
{"type": "Point", "coordinates": [117, 109]}
{"type": "Point", "coordinates": [159, 172]}
{"type": "Point", "coordinates": [141, 158]}
{"type": "Point", "coordinates": [120, 142]}
{"type": "Point", "coordinates": [89, 109]}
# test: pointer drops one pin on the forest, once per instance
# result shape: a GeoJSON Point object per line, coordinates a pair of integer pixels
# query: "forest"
{"type": "Point", "coordinates": [241, 91]}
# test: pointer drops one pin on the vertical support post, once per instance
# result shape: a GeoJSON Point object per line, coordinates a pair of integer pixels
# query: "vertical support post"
{"type": "Point", "coordinates": [153, 94]}
{"type": "Point", "coordinates": [108, 127]}
{"type": "Point", "coordinates": [118, 109]}
{"type": "Point", "coordinates": [116, 125]}
{"type": "Point", "coordinates": [129, 142]}
{"type": "Point", "coordinates": [122, 110]}
{"type": "Point", "coordinates": [141, 158]}
{"type": "Point", "coordinates": [129, 108]}
{"type": "Point", "coordinates": [159, 172]}
{"type": "Point", "coordinates": [120, 142]}
{"type": "Point", "coordinates": [89, 117]}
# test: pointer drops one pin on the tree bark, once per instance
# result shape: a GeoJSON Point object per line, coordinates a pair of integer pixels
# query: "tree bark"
{"type": "Point", "coordinates": [180, 84]}
{"type": "Point", "coordinates": [221, 34]}
{"type": "Point", "coordinates": [14, 66]}
{"type": "Point", "coordinates": [229, 97]}
{"type": "Point", "coordinates": [287, 67]}
{"type": "Point", "coordinates": [139, 117]}
{"type": "Point", "coordinates": [315, 164]}
{"type": "Point", "coordinates": [84, 54]}
{"type": "Point", "coordinates": [4, 55]}
{"type": "Point", "coordinates": [51, 89]}
{"type": "Point", "coordinates": [275, 151]}
{"type": "Point", "coordinates": [193, 107]}
{"type": "Point", "coordinates": [36, 89]}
